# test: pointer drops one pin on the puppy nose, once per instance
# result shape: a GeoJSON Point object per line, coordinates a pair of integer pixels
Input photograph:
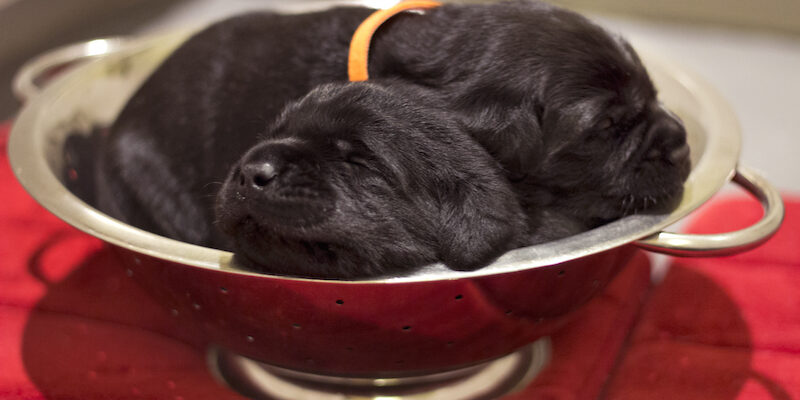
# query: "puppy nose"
{"type": "Point", "coordinates": [667, 139]}
{"type": "Point", "coordinates": [257, 174]}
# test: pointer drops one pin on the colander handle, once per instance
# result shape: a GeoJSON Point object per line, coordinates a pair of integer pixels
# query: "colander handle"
{"type": "Point", "coordinates": [34, 74]}
{"type": "Point", "coordinates": [720, 244]}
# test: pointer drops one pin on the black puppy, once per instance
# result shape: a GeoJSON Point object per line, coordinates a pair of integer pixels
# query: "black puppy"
{"type": "Point", "coordinates": [361, 180]}
{"type": "Point", "coordinates": [565, 108]}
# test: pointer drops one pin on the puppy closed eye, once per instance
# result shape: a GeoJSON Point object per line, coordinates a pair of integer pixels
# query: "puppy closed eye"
{"type": "Point", "coordinates": [600, 130]}
{"type": "Point", "coordinates": [357, 160]}
{"type": "Point", "coordinates": [604, 124]}
{"type": "Point", "coordinates": [344, 146]}
{"type": "Point", "coordinates": [351, 156]}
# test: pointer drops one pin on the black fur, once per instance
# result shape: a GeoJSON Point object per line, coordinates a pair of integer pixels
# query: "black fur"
{"type": "Point", "coordinates": [565, 108]}
{"type": "Point", "coordinates": [366, 179]}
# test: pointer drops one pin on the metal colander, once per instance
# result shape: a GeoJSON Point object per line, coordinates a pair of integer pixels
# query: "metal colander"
{"type": "Point", "coordinates": [432, 327]}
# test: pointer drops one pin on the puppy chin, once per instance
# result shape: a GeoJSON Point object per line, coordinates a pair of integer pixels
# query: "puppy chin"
{"type": "Point", "coordinates": [265, 251]}
{"type": "Point", "coordinates": [657, 190]}
{"type": "Point", "coordinates": [307, 241]}
{"type": "Point", "coordinates": [656, 203]}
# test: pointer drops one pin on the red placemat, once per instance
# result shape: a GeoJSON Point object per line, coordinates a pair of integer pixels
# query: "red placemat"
{"type": "Point", "coordinates": [725, 327]}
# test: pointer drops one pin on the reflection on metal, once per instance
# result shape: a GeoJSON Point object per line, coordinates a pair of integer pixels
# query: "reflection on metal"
{"type": "Point", "coordinates": [33, 75]}
{"type": "Point", "coordinates": [484, 381]}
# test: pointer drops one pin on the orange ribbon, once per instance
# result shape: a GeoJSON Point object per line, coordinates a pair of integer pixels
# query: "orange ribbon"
{"type": "Point", "coordinates": [359, 45]}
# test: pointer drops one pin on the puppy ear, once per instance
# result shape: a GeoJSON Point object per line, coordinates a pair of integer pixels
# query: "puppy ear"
{"type": "Point", "coordinates": [512, 137]}
{"type": "Point", "coordinates": [479, 227]}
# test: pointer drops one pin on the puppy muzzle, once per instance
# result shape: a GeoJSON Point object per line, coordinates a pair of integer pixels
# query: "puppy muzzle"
{"type": "Point", "coordinates": [273, 185]}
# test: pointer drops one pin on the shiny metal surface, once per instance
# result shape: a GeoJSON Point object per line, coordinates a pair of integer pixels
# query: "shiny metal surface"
{"type": "Point", "coordinates": [33, 75]}
{"type": "Point", "coordinates": [484, 381]}
{"type": "Point", "coordinates": [391, 327]}
{"type": "Point", "coordinates": [730, 242]}
{"type": "Point", "coordinates": [369, 329]}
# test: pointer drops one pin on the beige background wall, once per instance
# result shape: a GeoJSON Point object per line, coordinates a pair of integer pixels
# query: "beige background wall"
{"type": "Point", "coordinates": [28, 27]}
{"type": "Point", "coordinates": [782, 15]}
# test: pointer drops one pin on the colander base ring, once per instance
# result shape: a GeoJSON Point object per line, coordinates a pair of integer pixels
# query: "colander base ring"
{"type": "Point", "coordinates": [484, 381]}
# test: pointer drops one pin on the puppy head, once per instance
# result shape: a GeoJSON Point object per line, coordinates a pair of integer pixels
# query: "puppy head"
{"type": "Point", "coordinates": [358, 180]}
{"type": "Point", "coordinates": [610, 145]}
{"type": "Point", "coordinates": [566, 108]}
{"type": "Point", "coordinates": [597, 138]}
{"type": "Point", "coordinates": [612, 160]}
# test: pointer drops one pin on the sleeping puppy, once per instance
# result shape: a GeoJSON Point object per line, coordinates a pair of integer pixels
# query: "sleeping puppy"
{"type": "Point", "coordinates": [353, 180]}
{"type": "Point", "coordinates": [360, 180]}
{"type": "Point", "coordinates": [567, 108]}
